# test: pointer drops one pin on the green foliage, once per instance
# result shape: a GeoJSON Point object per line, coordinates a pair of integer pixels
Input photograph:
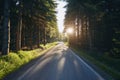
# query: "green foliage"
{"type": "Point", "coordinates": [9, 63]}
{"type": "Point", "coordinates": [26, 56]}
{"type": "Point", "coordinates": [13, 61]}
{"type": "Point", "coordinates": [12, 58]}
{"type": "Point", "coordinates": [51, 44]}
{"type": "Point", "coordinates": [37, 20]}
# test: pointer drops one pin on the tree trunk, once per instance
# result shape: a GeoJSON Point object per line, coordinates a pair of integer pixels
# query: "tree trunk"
{"type": "Point", "coordinates": [78, 31]}
{"type": "Point", "coordinates": [90, 33]}
{"type": "Point", "coordinates": [23, 37]}
{"type": "Point", "coordinates": [82, 38]}
{"type": "Point", "coordinates": [38, 41]}
{"type": "Point", "coordinates": [74, 34]}
{"type": "Point", "coordinates": [19, 32]}
{"type": "Point", "coordinates": [6, 27]}
{"type": "Point", "coordinates": [44, 41]}
{"type": "Point", "coordinates": [86, 32]}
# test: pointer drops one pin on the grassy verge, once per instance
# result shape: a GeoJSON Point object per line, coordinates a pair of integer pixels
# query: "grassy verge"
{"type": "Point", "coordinates": [14, 61]}
{"type": "Point", "coordinates": [66, 43]}
{"type": "Point", "coordinates": [110, 65]}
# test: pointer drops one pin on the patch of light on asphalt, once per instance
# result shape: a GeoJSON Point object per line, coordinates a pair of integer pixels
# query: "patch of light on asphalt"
{"type": "Point", "coordinates": [61, 65]}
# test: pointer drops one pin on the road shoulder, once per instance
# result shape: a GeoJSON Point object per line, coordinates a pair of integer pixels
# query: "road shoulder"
{"type": "Point", "coordinates": [97, 69]}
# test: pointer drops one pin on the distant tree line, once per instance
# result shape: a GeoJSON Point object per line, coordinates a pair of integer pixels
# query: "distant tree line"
{"type": "Point", "coordinates": [96, 24]}
{"type": "Point", "coordinates": [24, 24]}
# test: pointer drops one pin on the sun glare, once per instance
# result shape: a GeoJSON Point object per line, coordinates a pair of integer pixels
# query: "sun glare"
{"type": "Point", "coordinates": [69, 30]}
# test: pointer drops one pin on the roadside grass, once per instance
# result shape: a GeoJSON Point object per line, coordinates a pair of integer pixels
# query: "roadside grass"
{"type": "Point", "coordinates": [108, 64]}
{"type": "Point", "coordinates": [66, 43]}
{"type": "Point", "coordinates": [13, 61]}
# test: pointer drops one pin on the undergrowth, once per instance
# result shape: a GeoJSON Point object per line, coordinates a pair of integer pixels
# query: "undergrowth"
{"type": "Point", "coordinates": [13, 61]}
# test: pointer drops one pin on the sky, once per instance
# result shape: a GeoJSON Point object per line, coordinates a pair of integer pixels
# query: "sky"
{"type": "Point", "coordinates": [60, 15]}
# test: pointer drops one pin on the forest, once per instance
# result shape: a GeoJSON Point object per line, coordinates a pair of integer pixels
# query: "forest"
{"type": "Point", "coordinates": [24, 24]}
{"type": "Point", "coordinates": [96, 25]}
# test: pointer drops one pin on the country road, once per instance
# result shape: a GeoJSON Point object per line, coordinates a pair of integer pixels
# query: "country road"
{"type": "Point", "coordinates": [60, 63]}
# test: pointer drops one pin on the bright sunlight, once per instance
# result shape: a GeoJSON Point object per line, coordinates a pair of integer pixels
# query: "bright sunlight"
{"type": "Point", "coordinates": [60, 14]}
{"type": "Point", "coordinates": [70, 30]}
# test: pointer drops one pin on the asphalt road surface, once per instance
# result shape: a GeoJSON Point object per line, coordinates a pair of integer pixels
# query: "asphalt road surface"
{"type": "Point", "coordinates": [60, 63]}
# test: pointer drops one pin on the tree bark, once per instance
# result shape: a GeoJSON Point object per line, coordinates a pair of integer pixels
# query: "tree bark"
{"type": "Point", "coordinates": [38, 41]}
{"type": "Point", "coordinates": [90, 33]}
{"type": "Point", "coordinates": [19, 33]}
{"type": "Point", "coordinates": [78, 31]}
{"type": "Point", "coordinates": [6, 27]}
{"type": "Point", "coordinates": [44, 41]}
